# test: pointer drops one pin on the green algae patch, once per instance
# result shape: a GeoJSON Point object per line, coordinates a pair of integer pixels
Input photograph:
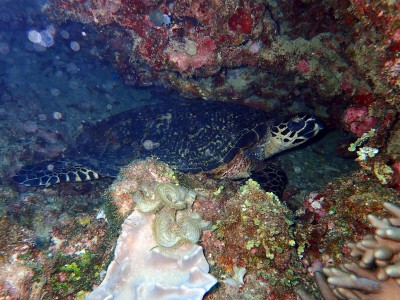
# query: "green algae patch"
{"type": "Point", "coordinates": [74, 274]}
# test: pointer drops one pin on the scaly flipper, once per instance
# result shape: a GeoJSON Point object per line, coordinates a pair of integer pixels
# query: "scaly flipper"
{"type": "Point", "coordinates": [271, 178]}
{"type": "Point", "coordinates": [52, 172]}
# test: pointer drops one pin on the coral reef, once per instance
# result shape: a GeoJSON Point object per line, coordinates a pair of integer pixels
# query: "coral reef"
{"type": "Point", "coordinates": [377, 267]}
{"type": "Point", "coordinates": [49, 241]}
{"type": "Point", "coordinates": [175, 223]}
{"type": "Point", "coordinates": [381, 20]}
{"type": "Point", "coordinates": [132, 185]}
{"type": "Point", "coordinates": [252, 231]}
{"type": "Point", "coordinates": [330, 218]}
{"type": "Point", "coordinates": [250, 236]}
{"type": "Point", "coordinates": [357, 121]}
{"type": "Point", "coordinates": [219, 48]}
{"type": "Point", "coordinates": [376, 270]}
{"type": "Point", "coordinates": [338, 59]}
{"type": "Point", "coordinates": [143, 271]}
{"type": "Point", "coordinates": [156, 256]}
{"type": "Point", "coordinates": [14, 274]}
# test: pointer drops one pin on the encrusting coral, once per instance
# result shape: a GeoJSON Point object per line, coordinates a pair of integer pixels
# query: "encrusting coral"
{"type": "Point", "coordinates": [376, 273]}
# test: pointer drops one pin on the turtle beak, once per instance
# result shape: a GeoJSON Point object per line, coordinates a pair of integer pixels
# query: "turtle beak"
{"type": "Point", "coordinates": [311, 126]}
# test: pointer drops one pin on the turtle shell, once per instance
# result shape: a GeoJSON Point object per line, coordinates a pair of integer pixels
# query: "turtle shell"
{"type": "Point", "coordinates": [195, 136]}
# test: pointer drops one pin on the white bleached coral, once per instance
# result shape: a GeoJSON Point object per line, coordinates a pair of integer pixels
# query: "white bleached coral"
{"type": "Point", "coordinates": [365, 152]}
{"type": "Point", "coordinates": [237, 280]}
{"type": "Point", "coordinates": [141, 271]}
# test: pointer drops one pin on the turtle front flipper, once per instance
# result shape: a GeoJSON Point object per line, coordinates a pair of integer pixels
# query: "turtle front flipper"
{"type": "Point", "coordinates": [52, 172]}
{"type": "Point", "coordinates": [271, 178]}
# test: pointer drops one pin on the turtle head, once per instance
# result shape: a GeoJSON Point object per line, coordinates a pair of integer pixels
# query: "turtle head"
{"type": "Point", "coordinates": [291, 131]}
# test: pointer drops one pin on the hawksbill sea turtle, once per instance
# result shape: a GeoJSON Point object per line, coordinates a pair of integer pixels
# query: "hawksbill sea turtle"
{"type": "Point", "coordinates": [224, 140]}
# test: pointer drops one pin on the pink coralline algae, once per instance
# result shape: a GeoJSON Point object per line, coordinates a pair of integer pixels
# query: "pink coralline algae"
{"type": "Point", "coordinates": [346, 83]}
{"type": "Point", "coordinates": [396, 175]}
{"type": "Point", "coordinates": [313, 204]}
{"type": "Point", "coordinates": [204, 56]}
{"type": "Point", "coordinates": [393, 68]}
{"type": "Point", "coordinates": [241, 21]}
{"type": "Point", "coordinates": [246, 48]}
{"type": "Point", "coordinates": [358, 121]}
{"type": "Point", "coordinates": [133, 177]}
{"type": "Point", "coordinates": [200, 38]}
{"type": "Point", "coordinates": [303, 66]}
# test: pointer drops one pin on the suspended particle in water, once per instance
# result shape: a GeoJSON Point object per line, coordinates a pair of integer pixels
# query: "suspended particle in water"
{"type": "Point", "coordinates": [47, 39]}
{"type": "Point", "coordinates": [57, 115]}
{"type": "Point", "coordinates": [74, 85]}
{"type": "Point", "coordinates": [109, 98]}
{"type": "Point", "coordinates": [4, 48]}
{"type": "Point", "coordinates": [75, 46]}
{"type": "Point", "coordinates": [158, 18]}
{"type": "Point", "coordinates": [150, 145]}
{"type": "Point", "coordinates": [64, 34]}
{"type": "Point", "coordinates": [166, 19]}
{"type": "Point", "coordinates": [43, 38]}
{"type": "Point", "coordinates": [34, 36]}
{"type": "Point", "coordinates": [39, 48]}
{"type": "Point", "coordinates": [72, 68]}
{"type": "Point", "coordinates": [55, 92]}
{"type": "Point", "coordinates": [42, 117]}
{"type": "Point", "coordinates": [51, 29]}
{"type": "Point", "coordinates": [30, 126]}
{"type": "Point", "coordinates": [108, 86]}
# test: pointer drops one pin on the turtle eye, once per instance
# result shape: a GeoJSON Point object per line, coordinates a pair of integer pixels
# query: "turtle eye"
{"type": "Point", "coordinates": [295, 124]}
